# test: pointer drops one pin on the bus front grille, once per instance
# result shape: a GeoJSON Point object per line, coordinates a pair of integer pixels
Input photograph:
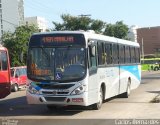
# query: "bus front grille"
{"type": "Point", "coordinates": [51, 93]}
{"type": "Point", "coordinates": [55, 86]}
{"type": "Point", "coordinates": [55, 99]}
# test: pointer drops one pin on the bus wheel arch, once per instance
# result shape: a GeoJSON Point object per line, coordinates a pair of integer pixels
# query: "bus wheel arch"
{"type": "Point", "coordinates": [101, 97]}
{"type": "Point", "coordinates": [128, 89]}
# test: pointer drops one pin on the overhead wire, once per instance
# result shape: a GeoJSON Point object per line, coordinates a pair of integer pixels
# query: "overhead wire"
{"type": "Point", "coordinates": [41, 7]}
{"type": "Point", "coordinates": [9, 22]}
{"type": "Point", "coordinates": [43, 10]}
{"type": "Point", "coordinates": [36, 5]}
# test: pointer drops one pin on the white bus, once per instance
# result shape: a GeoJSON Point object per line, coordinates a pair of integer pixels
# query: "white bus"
{"type": "Point", "coordinates": [80, 68]}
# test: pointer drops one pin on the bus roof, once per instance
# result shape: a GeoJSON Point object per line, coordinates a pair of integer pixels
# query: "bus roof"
{"type": "Point", "coordinates": [91, 35]}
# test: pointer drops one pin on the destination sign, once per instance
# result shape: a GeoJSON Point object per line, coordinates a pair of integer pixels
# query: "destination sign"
{"type": "Point", "coordinates": [61, 39]}
{"type": "Point", "coordinates": [57, 40]}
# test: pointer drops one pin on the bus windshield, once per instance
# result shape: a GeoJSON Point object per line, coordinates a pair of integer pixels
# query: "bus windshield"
{"type": "Point", "coordinates": [56, 63]}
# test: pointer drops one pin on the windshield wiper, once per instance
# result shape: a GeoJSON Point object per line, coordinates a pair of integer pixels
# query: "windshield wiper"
{"type": "Point", "coordinates": [67, 51]}
{"type": "Point", "coordinates": [45, 53]}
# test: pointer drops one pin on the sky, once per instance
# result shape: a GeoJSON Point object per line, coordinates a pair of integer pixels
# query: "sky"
{"type": "Point", "coordinates": [143, 13]}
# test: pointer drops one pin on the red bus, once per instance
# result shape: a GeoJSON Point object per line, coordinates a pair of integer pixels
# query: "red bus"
{"type": "Point", "coordinates": [5, 86]}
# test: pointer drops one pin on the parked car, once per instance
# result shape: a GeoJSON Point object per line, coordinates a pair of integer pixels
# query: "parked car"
{"type": "Point", "coordinates": [18, 77]}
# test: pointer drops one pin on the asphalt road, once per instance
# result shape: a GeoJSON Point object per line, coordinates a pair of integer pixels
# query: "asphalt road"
{"type": "Point", "coordinates": [136, 106]}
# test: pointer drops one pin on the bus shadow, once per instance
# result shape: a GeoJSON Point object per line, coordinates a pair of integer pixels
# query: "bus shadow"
{"type": "Point", "coordinates": [156, 92]}
{"type": "Point", "coordinates": [151, 77]}
{"type": "Point", "coordinates": [19, 107]}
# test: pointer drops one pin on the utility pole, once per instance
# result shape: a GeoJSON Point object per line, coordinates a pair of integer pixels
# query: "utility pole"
{"type": "Point", "coordinates": [142, 49]}
{"type": "Point", "coordinates": [85, 15]}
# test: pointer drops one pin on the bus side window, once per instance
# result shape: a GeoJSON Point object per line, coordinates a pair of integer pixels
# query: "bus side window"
{"type": "Point", "coordinates": [101, 53]}
{"type": "Point", "coordinates": [115, 53]}
{"type": "Point", "coordinates": [127, 54]}
{"type": "Point", "coordinates": [108, 50]}
{"type": "Point", "coordinates": [92, 57]}
{"type": "Point", "coordinates": [133, 58]}
{"type": "Point", "coordinates": [3, 61]}
{"type": "Point", "coordinates": [137, 55]}
{"type": "Point", "coordinates": [121, 54]}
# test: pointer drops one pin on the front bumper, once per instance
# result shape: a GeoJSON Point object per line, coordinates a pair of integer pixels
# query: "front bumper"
{"type": "Point", "coordinates": [57, 100]}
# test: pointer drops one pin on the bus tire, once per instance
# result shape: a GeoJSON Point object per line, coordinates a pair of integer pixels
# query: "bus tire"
{"type": "Point", "coordinates": [15, 87]}
{"type": "Point", "coordinates": [128, 91]}
{"type": "Point", "coordinates": [98, 105]}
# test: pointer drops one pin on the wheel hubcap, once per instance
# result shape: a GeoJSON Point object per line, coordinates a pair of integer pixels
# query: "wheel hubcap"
{"type": "Point", "coordinates": [100, 98]}
{"type": "Point", "coordinates": [128, 91]}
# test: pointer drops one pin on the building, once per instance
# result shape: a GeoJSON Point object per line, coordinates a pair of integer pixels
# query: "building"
{"type": "Point", "coordinates": [40, 22]}
{"type": "Point", "coordinates": [149, 40]}
{"type": "Point", "coordinates": [11, 15]}
{"type": "Point", "coordinates": [132, 33]}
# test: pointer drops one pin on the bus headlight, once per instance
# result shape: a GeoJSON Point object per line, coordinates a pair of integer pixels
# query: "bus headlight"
{"type": "Point", "coordinates": [79, 90]}
{"type": "Point", "coordinates": [32, 90]}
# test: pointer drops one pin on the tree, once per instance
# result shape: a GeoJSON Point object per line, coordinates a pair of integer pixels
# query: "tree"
{"type": "Point", "coordinates": [109, 31]}
{"type": "Point", "coordinates": [98, 26]}
{"type": "Point", "coordinates": [16, 43]}
{"type": "Point", "coordinates": [119, 30]}
{"type": "Point", "coordinates": [79, 23]}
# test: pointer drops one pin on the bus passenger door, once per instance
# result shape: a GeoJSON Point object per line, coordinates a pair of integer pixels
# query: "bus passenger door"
{"type": "Point", "coordinates": [92, 78]}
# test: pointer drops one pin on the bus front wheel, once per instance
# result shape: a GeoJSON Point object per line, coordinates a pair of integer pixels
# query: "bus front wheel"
{"type": "Point", "coordinates": [98, 105]}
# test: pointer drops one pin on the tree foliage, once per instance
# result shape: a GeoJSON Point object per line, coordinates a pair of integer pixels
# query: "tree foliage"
{"type": "Point", "coordinates": [79, 23]}
{"type": "Point", "coordinates": [119, 30]}
{"type": "Point", "coordinates": [16, 43]}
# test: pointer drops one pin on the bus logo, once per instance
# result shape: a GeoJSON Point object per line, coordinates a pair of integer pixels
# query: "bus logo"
{"type": "Point", "coordinates": [54, 92]}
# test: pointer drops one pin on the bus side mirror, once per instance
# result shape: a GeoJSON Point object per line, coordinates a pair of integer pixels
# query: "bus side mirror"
{"type": "Point", "coordinates": [92, 50]}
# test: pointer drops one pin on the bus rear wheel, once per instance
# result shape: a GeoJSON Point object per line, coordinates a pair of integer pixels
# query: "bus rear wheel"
{"type": "Point", "coordinates": [127, 93]}
{"type": "Point", "coordinates": [98, 105]}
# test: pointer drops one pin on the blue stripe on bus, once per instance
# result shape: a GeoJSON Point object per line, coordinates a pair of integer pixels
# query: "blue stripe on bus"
{"type": "Point", "coordinates": [35, 86]}
{"type": "Point", "coordinates": [132, 69]}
